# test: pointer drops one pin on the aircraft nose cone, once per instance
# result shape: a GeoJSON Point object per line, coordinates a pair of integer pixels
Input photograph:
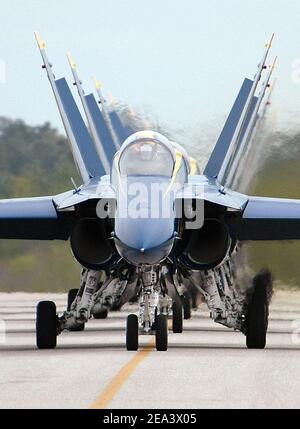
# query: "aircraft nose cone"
{"type": "Point", "coordinates": [144, 234]}
{"type": "Point", "coordinates": [144, 241]}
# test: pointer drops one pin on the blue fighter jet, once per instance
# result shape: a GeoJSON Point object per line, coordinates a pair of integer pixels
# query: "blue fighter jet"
{"type": "Point", "coordinates": [145, 223]}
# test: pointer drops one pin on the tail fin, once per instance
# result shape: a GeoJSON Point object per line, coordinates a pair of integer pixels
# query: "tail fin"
{"type": "Point", "coordinates": [101, 127]}
{"type": "Point", "coordinates": [246, 130]}
{"type": "Point", "coordinates": [83, 150]}
{"type": "Point", "coordinates": [105, 114]}
{"type": "Point", "coordinates": [121, 131]}
{"type": "Point", "coordinates": [217, 157]}
{"type": "Point", "coordinates": [91, 123]}
{"type": "Point", "coordinates": [225, 149]}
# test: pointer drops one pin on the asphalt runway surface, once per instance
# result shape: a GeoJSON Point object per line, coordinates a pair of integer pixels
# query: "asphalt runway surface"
{"type": "Point", "coordinates": [207, 366]}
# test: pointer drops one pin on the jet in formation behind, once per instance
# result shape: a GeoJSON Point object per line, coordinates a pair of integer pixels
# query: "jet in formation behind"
{"type": "Point", "coordinates": [146, 226]}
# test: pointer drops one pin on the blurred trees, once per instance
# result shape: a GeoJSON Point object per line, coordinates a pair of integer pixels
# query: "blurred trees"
{"type": "Point", "coordinates": [35, 161]}
{"type": "Point", "coordinates": [278, 176]}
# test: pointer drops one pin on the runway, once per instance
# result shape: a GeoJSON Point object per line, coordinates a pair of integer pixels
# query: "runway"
{"type": "Point", "coordinates": [207, 366]}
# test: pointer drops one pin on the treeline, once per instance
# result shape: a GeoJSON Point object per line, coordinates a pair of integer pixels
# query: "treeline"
{"type": "Point", "coordinates": [35, 161]}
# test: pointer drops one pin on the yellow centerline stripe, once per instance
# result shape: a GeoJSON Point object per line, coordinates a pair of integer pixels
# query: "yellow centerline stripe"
{"type": "Point", "coordinates": [117, 382]}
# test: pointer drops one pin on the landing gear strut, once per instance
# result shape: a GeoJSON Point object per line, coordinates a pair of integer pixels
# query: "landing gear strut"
{"type": "Point", "coordinates": [72, 294]}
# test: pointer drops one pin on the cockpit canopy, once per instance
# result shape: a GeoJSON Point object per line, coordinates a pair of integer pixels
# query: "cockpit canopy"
{"type": "Point", "coordinates": [147, 154]}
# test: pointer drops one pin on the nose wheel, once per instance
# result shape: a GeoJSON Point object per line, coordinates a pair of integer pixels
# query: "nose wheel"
{"type": "Point", "coordinates": [161, 333]}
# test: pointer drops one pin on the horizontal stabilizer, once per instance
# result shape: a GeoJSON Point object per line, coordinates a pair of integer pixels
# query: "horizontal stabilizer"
{"type": "Point", "coordinates": [102, 130]}
{"type": "Point", "coordinates": [219, 153]}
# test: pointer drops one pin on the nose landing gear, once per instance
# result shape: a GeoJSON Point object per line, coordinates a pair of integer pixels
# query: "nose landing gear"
{"type": "Point", "coordinates": [154, 308]}
{"type": "Point", "coordinates": [161, 333]}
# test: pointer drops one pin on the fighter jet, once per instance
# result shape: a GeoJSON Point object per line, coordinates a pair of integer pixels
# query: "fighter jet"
{"type": "Point", "coordinates": [146, 223]}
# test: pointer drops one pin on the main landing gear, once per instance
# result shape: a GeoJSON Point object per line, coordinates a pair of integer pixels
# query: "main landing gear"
{"type": "Point", "coordinates": [79, 305]}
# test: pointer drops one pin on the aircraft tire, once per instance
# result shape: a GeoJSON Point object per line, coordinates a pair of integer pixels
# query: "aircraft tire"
{"type": "Point", "coordinates": [132, 333]}
{"type": "Point", "coordinates": [71, 297]}
{"type": "Point", "coordinates": [46, 325]}
{"type": "Point", "coordinates": [102, 314]}
{"type": "Point", "coordinates": [161, 333]}
{"type": "Point", "coordinates": [257, 317]}
{"type": "Point", "coordinates": [187, 307]}
{"type": "Point", "coordinates": [177, 318]}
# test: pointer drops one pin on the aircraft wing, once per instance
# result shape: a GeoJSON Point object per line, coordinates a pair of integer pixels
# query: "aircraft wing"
{"type": "Point", "coordinates": [267, 219]}
{"type": "Point", "coordinates": [32, 219]}
{"type": "Point", "coordinates": [207, 189]}
{"type": "Point", "coordinates": [94, 190]}
{"type": "Point", "coordinates": [248, 218]}
{"type": "Point", "coordinates": [51, 217]}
